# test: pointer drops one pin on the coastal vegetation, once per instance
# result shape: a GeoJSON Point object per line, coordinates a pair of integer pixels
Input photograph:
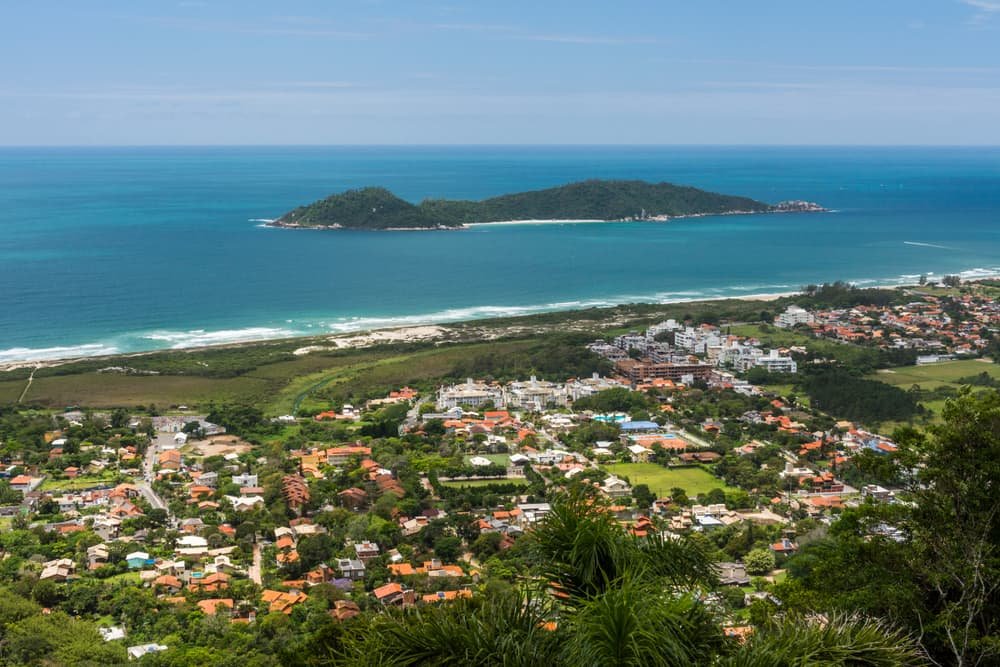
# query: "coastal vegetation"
{"type": "Point", "coordinates": [545, 563]}
{"type": "Point", "coordinates": [378, 209]}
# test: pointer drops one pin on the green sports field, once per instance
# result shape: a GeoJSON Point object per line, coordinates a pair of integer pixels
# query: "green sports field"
{"type": "Point", "coordinates": [694, 480]}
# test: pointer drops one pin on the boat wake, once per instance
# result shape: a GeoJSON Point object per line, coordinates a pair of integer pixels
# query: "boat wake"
{"type": "Point", "coordinates": [929, 245]}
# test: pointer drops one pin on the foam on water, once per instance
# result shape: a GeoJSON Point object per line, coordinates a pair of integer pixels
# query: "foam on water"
{"type": "Point", "coordinates": [156, 251]}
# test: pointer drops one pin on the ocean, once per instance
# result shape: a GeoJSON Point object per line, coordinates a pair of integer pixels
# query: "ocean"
{"type": "Point", "coordinates": [107, 250]}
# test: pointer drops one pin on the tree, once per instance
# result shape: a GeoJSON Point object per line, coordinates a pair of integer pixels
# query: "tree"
{"type": "Point", "coordinates": [839, 640]}
{"type": "Point", "coordinates": [314, 549]}
{"type": "Point", "coordinates": [46, 593]}
{"type": "Point", "coordinates": [930, 565]}
{"type": "Point", "coordinates": [759, 561]}
{"type": "Point", "coordinates": [486, 545]}
{"type": "Point", "coordinates": [448, 548]}
{"type": "Point", "coordinates": [955, 521]}
{"type": "Point", "coordinates": [119, 418]}
{"type": "Point", "coordinates": [643, 496]}
{"type": "Point", "coordinates": [622, 601]}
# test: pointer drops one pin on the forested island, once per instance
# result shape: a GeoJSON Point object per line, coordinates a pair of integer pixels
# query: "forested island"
{"type": "Point", "coordinates": [375, 208]}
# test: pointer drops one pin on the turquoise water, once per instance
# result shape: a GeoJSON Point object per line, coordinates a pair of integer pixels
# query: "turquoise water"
{"type": "Point", "coordinates": [105, 250]}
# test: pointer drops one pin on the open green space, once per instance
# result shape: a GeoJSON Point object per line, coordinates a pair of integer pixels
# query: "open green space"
{"type": "Point", "coordinates": [11, 390]}
{"type": "Point", "coordinates": [498, 459]}
{"type": "Point", "coordinates": [80, 483]}
{"type": "Point", "coordinates": [694, 480]}
{"type": "Point", "coordinates": [931, 376]}
{"type": "Point", "coordinates": [786, 390]}
{"type": "Point", "coordinates": [771, 336]}
{"type": "Point", "coordinates": [936, 381]}
{"type": "Point", "coordinates": [270, 375]}
{"type": "Point", "coordinates": [518, 481]}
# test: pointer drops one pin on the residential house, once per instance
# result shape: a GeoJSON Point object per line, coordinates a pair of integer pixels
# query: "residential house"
{"type": "Point", "coordinates": [615, 487]}
{"type": "Point", "coordinates": [351, 568]}
{"type": "Point", "coordinates": [366, 551]}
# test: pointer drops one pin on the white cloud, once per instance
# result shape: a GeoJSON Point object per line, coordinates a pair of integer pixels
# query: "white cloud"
{"type": "Point", "coordinates": [984, 5]}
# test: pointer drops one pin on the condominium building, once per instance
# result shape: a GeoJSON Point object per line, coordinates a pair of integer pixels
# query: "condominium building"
{"type": "Point", "coordinates": [792, 316]}
{"type": "Point", "coordinates": [471, 393]}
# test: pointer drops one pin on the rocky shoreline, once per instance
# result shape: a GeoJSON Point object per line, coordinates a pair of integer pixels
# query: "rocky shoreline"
{"type": "Point", "coordinates": [791, 206]}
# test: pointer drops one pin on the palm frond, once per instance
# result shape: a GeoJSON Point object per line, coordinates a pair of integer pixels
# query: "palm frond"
{"type": "Point", "coordinates": [638, 624]}
{"type": "Point", "coordinates": [838, 641]}
{"type": "Point", "coordinates": [502, 630]}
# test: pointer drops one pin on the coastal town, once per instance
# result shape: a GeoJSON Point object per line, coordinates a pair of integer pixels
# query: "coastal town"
{"type": "Point", "coordinates": [426, 495]}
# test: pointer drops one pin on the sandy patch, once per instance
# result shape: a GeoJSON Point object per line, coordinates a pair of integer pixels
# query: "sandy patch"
{"type": "Point", "coordinates": [220, 445]}
{"type": "Point", "coordinates": [379, 337]}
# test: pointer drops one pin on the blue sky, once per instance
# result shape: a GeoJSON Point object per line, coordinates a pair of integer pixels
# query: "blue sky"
{"type": "Point", "coordinates": [511, 72]}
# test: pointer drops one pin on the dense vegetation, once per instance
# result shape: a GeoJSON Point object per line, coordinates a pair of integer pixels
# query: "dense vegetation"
{"type": "Point", "coordinates": [931, 565]}
{"type": "Point", "coordinates": [377, 208]}
{"type": "Point", "coordinates": [619, 600]}
{"type": "Point", "coordinates": [842, 294]}
{"type": "Point", "coordinates": [838, 392]}
{"type": "Point", "coordinates": [555, 358]}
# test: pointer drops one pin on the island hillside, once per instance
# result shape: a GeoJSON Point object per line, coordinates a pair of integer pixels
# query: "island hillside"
{"type": "Point", "coordinates": [378, 209]}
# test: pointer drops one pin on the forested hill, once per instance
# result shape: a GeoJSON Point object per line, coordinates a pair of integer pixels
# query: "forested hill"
{"type": "Point", "coordinates": [377, 208]}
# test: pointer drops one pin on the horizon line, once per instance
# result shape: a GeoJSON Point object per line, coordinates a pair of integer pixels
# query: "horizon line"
{"type": "Point", "coordinates": [508, 145]}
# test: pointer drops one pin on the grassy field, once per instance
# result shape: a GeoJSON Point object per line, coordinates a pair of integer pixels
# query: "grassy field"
{"type": "Point", "coordinates": [661, 480]}
{"type": "Point", "coordinates": [499, 459]}
{"type": "Point", "coordinates": [787, 390]}
{"type": "Point", "coordinates": [932, 376]}
{"type": "Point", "coordinates": [270, 375]}
{"type": "Point", "coordinates": [310, 381]}
{"type": "Point", "coordinates": [88, 482]}
{"type": "Point", "coordinates": [105, 390]}
{"type": "Point", "coordinates": [771, 336]}
{"type": "Point", "coordinates": [519, 481]}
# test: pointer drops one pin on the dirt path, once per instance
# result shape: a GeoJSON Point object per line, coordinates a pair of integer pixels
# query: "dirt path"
{"type": "Point", "coordinates": [31, 378]}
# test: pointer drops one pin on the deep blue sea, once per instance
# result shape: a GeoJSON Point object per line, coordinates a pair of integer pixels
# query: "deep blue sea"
{"type": "Point", "coordinates": [123, 249]}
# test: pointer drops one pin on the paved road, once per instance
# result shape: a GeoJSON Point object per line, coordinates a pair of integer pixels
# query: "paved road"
{"type": "Point", "coordinates": [151, 496]}
{"type": "Point", "coordinates": [148, 467]}
{"type": "Point", "coordinates": [413, 414]}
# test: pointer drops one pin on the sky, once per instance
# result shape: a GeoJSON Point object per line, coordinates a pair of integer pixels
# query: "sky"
{"type": "Point", "coordinates": [198, 72]}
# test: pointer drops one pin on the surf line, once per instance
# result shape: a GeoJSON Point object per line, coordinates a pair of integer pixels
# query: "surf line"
{"type": "Point", "coordinates": [928, 245]}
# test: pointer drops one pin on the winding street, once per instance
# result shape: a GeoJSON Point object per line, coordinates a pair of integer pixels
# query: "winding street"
{"type": "Point", "coordinates": [145, 485]}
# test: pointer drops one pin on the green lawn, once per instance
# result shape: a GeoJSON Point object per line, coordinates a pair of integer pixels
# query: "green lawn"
{"type": "Point", "coordinates": [773, 336]}
{"type": "Point", "coordinates": [519, 481]}
{"type": "Point", "coordinates": [935, 375]}
{"type": "Point", "coordinates": [80, 483]}
{"type": "Point", "coordinates": [786, 390]}
{"type": "Point", "coordinates": [498, 459]}
{"type": "Point", "coordinates": [694, 480]}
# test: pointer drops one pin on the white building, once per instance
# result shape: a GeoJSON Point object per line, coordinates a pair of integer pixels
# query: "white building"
{"type": "Point", "coordinates": [534, 394]}
{"type": "Point", "coordinates": [471, 393]}
{"type": "Point", "coordinates": [583, 387]}
{"type": "Point", "coordinates": [615, 487]}
{"type": "Point", "coordinates": [246, 479]}
{"type": "Point", "coordinates": [136, 652]}
{"type": "Point", "coordinates": [773, 362]}
{"type": "Point", "coordinates": [792, 316]}
{"type": "Point", "coordinates": [696, 341]}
